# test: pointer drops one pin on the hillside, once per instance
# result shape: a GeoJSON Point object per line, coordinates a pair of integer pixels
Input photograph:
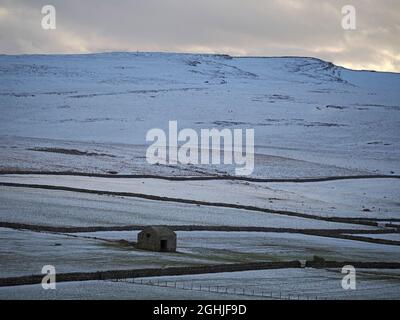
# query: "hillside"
{"type": "Point", "coordinates": [311, 118]}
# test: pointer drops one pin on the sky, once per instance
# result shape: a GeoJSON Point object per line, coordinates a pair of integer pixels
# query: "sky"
{"type": "Point", "coordinates": [236, 27]}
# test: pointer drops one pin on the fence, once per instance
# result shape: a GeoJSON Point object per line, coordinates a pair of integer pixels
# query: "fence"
{"type": "Point", "coordinates": [188, 285]}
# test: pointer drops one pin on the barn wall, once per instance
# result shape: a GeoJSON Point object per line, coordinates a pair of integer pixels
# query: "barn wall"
{"type": "Point", "coordinates": [153, 243]}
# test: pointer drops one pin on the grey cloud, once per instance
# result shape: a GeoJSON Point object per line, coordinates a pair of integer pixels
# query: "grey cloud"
{"type": "Point", "coordinates": [252, 27]}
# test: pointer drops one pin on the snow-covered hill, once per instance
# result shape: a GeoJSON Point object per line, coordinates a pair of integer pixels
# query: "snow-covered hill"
{"type": "Point", "coordinates": [91, 113]}
{"type": "Point", "coordinates": [311, 118]}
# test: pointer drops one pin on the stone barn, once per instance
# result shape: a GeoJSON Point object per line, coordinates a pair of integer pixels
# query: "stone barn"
{"type": "Point", "coordinates": [157, 238]}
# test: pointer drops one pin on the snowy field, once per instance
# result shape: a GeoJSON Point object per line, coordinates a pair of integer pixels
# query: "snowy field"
{"type": "Point", "coordinates": [72, 209]}
{"type": "Point", "coordinates": [297, 283]}
{"type": "Point", "coordinates": [109, 290]}
{"type": "Point", "coordinates": [262, 246]}
{"type": "Point", "coordinates": [368, 198]}
{"type": "Point", "coordinates": [24, 252]}
{"type": "Point", "coordinates": [282, 284]}
{"type": "Point", "coordinates": [91, 113]}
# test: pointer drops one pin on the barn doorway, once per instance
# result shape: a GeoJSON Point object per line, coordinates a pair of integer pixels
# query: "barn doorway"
{"type": "Point", "coordinates": [163, 246]}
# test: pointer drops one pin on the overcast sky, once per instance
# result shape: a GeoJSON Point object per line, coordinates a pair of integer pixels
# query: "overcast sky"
{"type": "Point", "coordinates": [236, 27]}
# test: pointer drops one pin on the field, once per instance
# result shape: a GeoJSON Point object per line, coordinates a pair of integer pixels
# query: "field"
{"type": "Point", "coordinates": [75, 186]}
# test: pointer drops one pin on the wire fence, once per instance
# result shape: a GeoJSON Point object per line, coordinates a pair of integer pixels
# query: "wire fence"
{"type": "Point", "coordinates": [193, 286]}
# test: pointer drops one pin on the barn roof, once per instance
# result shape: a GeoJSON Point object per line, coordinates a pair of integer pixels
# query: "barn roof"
{"type": "Point", "coordinates": [160, 230]}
